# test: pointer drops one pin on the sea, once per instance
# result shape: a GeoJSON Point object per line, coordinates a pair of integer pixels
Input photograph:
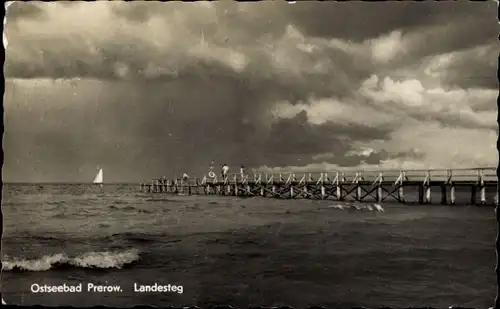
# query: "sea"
{"type": "Point", "coordinates": [209, 250]}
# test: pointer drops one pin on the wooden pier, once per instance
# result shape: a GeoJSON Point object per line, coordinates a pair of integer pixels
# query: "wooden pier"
{"type": "Point", "coordinates": [179, 186]}
{"type": "Point", "coordinates": [362, 186]}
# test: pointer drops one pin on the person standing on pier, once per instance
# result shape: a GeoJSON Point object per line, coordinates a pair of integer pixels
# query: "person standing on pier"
{"type": "Point", "coordinates": [242, 172]}
{"type": "Point", "coordinates": [225, 170]}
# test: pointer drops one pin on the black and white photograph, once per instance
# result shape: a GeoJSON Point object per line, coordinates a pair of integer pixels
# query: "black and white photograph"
{"type": "Point", "coordinates": [273, 153]}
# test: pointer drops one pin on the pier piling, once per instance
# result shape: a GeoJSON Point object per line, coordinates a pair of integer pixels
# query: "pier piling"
{"type": "Point", "coordinates": [444, 190]}
{"type": "Point", "coordinates": [482, 187]}
{"type": "Point", "coordinates": [421, 194]}
{"type": "Point", "coordinates": [379, 180]}
{"type": "Point", "coordinates": [473, 195]}
{"type": "Point", "coordinates": [452, 195]}
{"type": "Point", "coordinates": [427, 186]}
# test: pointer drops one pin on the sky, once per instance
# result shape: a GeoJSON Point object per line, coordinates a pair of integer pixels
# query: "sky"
{"type": "Point", "coordinates": [150, 89]}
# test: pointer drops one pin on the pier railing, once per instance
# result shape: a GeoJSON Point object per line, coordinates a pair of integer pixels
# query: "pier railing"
{"type": "Point", "coordinates": [353, 176]}
{"type": "Point", "coordinates": [179, 185]}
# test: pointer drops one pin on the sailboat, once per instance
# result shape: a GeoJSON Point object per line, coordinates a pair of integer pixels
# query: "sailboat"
{"type": "Point", "coordinates": [98, 180]}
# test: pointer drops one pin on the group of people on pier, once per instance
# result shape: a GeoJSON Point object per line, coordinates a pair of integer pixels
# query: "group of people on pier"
{"type": "Point", "coordinates": [225, 172]}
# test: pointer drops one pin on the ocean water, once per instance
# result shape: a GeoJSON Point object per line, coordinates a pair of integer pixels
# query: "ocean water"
{"type": "Point", "coordinates": [242, 251]}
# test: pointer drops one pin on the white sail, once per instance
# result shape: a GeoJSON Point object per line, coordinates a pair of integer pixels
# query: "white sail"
{"type": "Point", "coordinates": [99, 177]}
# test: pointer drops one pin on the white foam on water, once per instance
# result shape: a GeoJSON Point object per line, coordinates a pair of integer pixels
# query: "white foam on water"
{"type": "Point", "coordinates": [100, 260]}
{"type": "Point", "coordinates": [359, 207]}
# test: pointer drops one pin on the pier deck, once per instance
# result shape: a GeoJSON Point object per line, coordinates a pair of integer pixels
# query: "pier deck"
{"type": "Point", "coordinates": [361, 186]}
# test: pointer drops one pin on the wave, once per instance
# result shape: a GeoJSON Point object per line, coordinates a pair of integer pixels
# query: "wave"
{"type": "Point", "coordinates": [88, 213]}
{"type": "Point", "coordinates": [61, 239]}
{"type": "Point", "coordinates": [60, 215]}
{"type": "Point", "coordinates": [145, 211]}
{"type": "Point", "coordinates": [163, 200]}
{"type": "Point", "coordinates": [89, 260]}
{"type": "Point", "coordinates": [39, 237]}
{"type": "Point", "coordinates": [134, 237]}
{"type": "Point", "coordinates": [131, 208]}
{"type": "Point", "coordinates": [352, 207]}
{"type": "Point", "coordinates": [55, 203]}
{"type": "Point", "coordinates": [67, 214]}
{"type": "Point", "coordinates": [121, 202]}
{"type": "Point", "coordinates": [122, 208]}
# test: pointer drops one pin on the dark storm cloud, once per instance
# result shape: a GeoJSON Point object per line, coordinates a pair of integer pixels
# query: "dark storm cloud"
{"type": "Point", "coordinates": [474, 68]}
{"type": "Point", "coordinates": [349, 19]}
{"type": "Point", "coordinates": [350, 159]}
{"type": "Point", "coordinates": [295, 140]}
{"type": "Point", "coordinates": [449, 26]}
{"type": "Point", "coordinates": [356, 159]}
{"type": "Point", "coordinates": [460, 34]}
{"type": "Point", "coordinates": [336, 20]}
{"type": "Point", "coordinates": [296, 136]}
{"type": "Point", "coordinates": [152, 126]}
{"type": "Point", "coordinates": [103, 59]}
{"type": "Point", "coordinates": [165, 88]}
{"type": "Point", "coordinates": [455, 121]}
{"type": "Point", "coordinates": [267, 18]}
{"type": "Point", "coordinates": [130, 57]}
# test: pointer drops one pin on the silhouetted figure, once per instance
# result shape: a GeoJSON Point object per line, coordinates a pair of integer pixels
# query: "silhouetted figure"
{"type": "Point", "coordinates": [225, 170]}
